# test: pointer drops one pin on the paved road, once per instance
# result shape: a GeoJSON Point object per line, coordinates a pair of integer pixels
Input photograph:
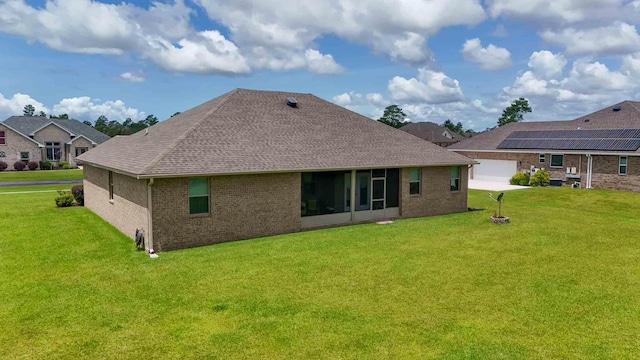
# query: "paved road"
{"type": "Point", "coordinates": [40, 182]}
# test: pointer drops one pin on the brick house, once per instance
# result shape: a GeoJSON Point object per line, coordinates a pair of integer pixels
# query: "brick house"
{"type": "Point", "coordinates": [434, 133]}
{"type": "Point", "coordinates": [36, 138]}
{"type": "Point", "coordinates": [257, 163]}
{"type": "Point", "coordinates": [598, 150]}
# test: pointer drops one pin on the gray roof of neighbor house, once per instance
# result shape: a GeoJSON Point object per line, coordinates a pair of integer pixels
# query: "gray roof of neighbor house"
{"type": "Point", "coordinates": [624, 115]}
{"type": "Point", "coordinates": [432, 132]}
{"type": "Point", "coordinates": [250, 131]}
{"type": "Point", "coordinates": [27, 125]}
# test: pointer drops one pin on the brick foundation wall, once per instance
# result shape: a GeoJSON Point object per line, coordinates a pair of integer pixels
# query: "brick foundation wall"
{"type": "Point", "coordinates": [241, 207]}
{"type": "Point", "coordinates": [128, 211]}
{"type": "Point", "coordinates": [605, 173]}
{"type": "Point", "coordinates": [14, 144]}
{"type": "Point", "coordinates": [435, 197]}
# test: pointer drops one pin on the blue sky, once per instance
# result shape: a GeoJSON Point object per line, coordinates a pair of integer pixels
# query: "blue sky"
{"type": "Point", "coordinates": [437, 59]}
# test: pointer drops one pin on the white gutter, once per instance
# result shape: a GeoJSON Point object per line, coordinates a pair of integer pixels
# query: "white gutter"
{"type": "Point", "coordinates": [589, 170]}
{"type": "Point", "coordinates": [547, 151]}
{"type": "Point", "coordinates": [149, 239]}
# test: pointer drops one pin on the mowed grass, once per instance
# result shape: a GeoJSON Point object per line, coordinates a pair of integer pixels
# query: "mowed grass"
{"type": "Point", "coordinates": [36, 175]}
{"type": "Point", "coordinates": [561, 281]}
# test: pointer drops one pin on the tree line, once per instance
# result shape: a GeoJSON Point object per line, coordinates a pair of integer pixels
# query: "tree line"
{"type": "Point", "coordinates": [395, 117]}
{"type": "Point", "coordinates": [102, 123]}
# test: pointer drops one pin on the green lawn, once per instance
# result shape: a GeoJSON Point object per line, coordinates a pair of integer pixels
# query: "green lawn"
{"type": "Point", "coordinates": [562, 281]}
{"type": "Point", "coordinates": [35, 175]}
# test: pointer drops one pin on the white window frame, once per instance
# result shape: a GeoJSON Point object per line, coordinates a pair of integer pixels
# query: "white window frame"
{"type": "Point", "coordinates": [208, 196]}
{"type": "Point", "coordinates": [458, 178]}
{"type": "Point", "coordinates": [52, 145]}
{"type": "Point", "coordinates": [419, 181]}
{"type": "Point", "coordinates": [551, 161]}
{"type": "Point", "coordinates": [110, 185]}
{"type": "Point", "coordinates": [541, 158]}
{"type": "Point", "coordinates": [25, 159]}
{"type": "Point", "coordinates": [626, 165]}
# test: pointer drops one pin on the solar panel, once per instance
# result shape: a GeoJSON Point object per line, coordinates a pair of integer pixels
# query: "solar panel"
{"type": "Point", "coordinates": [605, 139]}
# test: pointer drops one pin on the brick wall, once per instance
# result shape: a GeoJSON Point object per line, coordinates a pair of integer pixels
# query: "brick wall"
{"type": "Point", "coordinates": [14, 144]}
{"type": "Point", "coordinates": [241, 207]}
{"type": "Point", "coordinates": [78, 143]}
{"type": "Point", "coordinates": [52, 133]}
{"type": "Point", "coordinates": [128, 210]}
{"type": "Point", "coordinates": [435, 197]}
{"type": "Point", "coordinates": [605, 173]}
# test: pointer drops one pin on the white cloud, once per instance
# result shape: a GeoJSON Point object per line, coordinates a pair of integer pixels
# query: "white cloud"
{"type": "Point", "coordinates": [371, 105]}
{"type": "Point", "coordinates": [631, 64]}
{"type": "Point", "coordinates": [546, 64]}
{"type": "Point", "coordinates": [615, 39]}
{"type": "Point", "coordinates": [321, 63]}
{"type": "Point", "coordinates": [430, 87]}
{"type": "Point", "coordinates": [206, 52]}
{"type": "Point", "coordinates": [558, 13]}
{"type": "Point", "coordinates": [489, 58]}
{"type": "Point", "coordinates": [132, 76]}
{"type": "Point", "coordinates": [15, 105]}
{"type": "Point", "coordinates": [85, 108]}
{"type": "Point", "coordinates": [399, 29]}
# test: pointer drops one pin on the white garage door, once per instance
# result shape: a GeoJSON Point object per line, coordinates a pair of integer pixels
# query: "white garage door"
{"type": "Point", "coordinates": [494, 170]}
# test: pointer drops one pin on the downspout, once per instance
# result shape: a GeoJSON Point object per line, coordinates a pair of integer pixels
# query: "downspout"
{"type": "Point", "coordinates": [589, 170]}
{"type": "Point", "coordinates": [149, 239]}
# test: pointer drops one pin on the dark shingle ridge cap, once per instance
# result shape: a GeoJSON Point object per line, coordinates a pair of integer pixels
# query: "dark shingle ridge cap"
{"type": "Point", "coordinates": [177, 142]}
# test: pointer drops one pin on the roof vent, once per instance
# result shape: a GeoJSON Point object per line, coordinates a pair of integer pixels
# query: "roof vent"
{"type": "Point", "coordinates": [586, 120]}
{"type": "Point", "coordinates": [617, 108]}
{"type": "Point", "coordinates": [291, 101]}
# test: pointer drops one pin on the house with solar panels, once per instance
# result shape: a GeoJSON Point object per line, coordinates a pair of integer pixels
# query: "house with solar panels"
{"type": "Point", "coordinates": [598, 150]}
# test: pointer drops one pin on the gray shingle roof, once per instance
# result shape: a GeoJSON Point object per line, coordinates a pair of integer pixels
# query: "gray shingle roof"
{"type": "Point", "coordinates": [249, 131]}
{"type": "Point", "coordinates": [431, 132]}
{"type": "Point", "coordinates": [628, 117]}
{"type": "Point", "coordinates": [28, 124]}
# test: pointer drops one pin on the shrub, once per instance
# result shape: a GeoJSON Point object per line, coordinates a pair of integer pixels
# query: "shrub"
{"type": "Point", "coordinates": [520, 179]}
{"type": "Point", "coordinates": [65, 199]}
{"type": "Point", "coordinates": [32, 165]}
{"type": "Point", "coordinates": [78, 194]}
{"type": "Point", "coordinates": [19, 165]}
{"type": "Point", "coordinates": [540, 178]}
{"type": "Point", "coordinates": [64, 165]}
{"type": "Point", "coordinates": [45, 165]}
{"type": "Point", "coordinates": [3, 166]}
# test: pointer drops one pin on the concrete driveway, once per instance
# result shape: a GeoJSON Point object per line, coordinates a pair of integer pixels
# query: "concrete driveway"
{"type": "Point", "coordinates": [493, 185]}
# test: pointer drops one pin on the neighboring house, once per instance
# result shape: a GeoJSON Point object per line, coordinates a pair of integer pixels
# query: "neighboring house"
{"type": "Point", "coordinates": [35, 138]}
{"type": "Point", "coordinates": [434, 133]}
{"type": "Point", "coordinates": [256, 163]}
{"type": "Point", "coordinates": [599, 150]}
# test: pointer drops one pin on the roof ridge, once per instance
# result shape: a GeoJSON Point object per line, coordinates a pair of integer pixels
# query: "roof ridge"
{"type": "Point", "coordinates": [184, 135]}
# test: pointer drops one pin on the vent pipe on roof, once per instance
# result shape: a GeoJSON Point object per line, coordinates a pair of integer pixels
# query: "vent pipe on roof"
{"type": "Point", "coordinates": [291, 101]}
{"type": "Point", "coordinates": [617, 108]}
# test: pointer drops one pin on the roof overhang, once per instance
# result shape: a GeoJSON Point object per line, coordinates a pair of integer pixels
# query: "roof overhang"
{"type": "Point", "coordinates": [284, 171]}
{"type": "Point", "coordinates": [33, 133]}
{"type": "Point", "coordinates": [548, 151]}
{"type": "Point", "coordinates": [82, 136]}
{"type": "Point", "coordinates": [21, 134]}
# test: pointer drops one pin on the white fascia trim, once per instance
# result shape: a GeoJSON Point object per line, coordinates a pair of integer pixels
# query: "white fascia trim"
{"type": "Point", "coordinates": [555, 152]}
{"type": "Point", "coordinates": [51, 123]}
{"type": "Point", "coordinates": [81, 136]}
{"type": "Point", "coordinates": [21, 134]}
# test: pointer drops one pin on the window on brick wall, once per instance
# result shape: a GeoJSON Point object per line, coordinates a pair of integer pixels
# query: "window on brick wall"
{"type": "Point", "coordinates": [414, 181]}
{"type": "Point", "coordinates": [541, 158]}
{"type": "Point", "coordinates": [199, 196]}
{"type": "Point", "coordinates": [454, 178]}
{"type": "Point", "coordinates": [53, 151]}
{"type": "Point", "coordinates": [557, 160]}
{"type": "Point", "coordinates": [3, 138]}
{"type": "Point", "coordinates": [622, 165]}
{"type": "Point", "coordinates": [24, 156]}
{"type": "Point", "coordinates": [110, 185]}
